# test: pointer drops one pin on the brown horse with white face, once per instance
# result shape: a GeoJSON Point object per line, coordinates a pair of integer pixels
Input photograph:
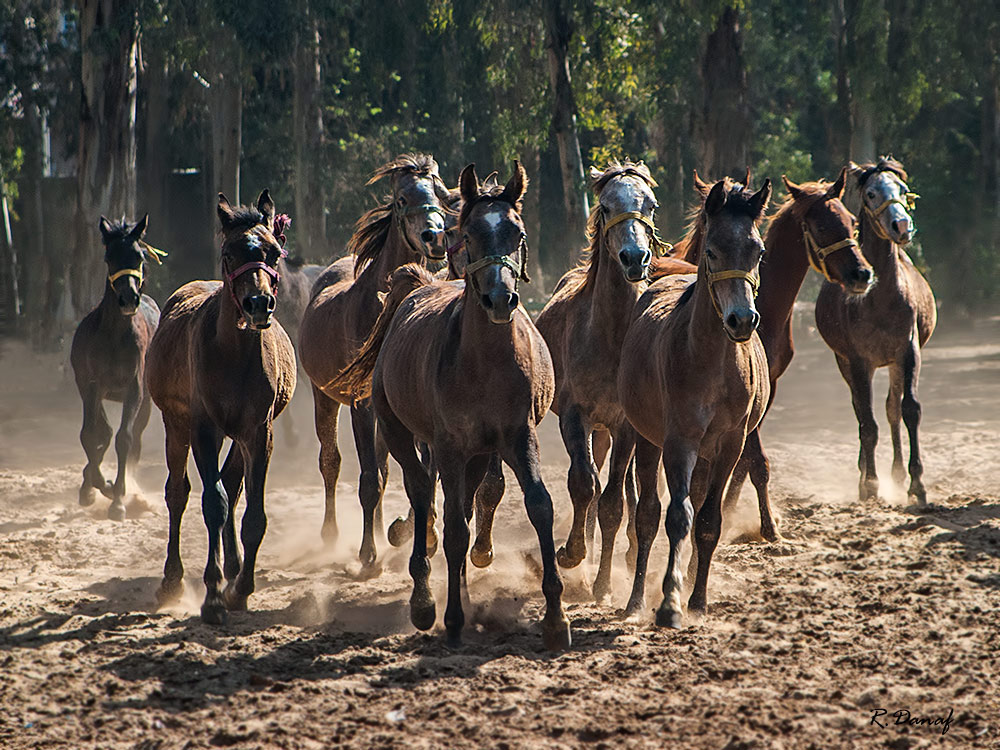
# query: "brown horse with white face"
{"type": "Point", "coordinates": [461, 367]}
{"type": "Point", "coordinates": [108, 357]}
{"type": "Point", "coordinates": [408, 227]}
{"type": "Point", "coordinates": [220, 366]}
{"type": "Point", "coordinates": [693, 382]}
{"type": "Point", "coordinates": [885, 327]}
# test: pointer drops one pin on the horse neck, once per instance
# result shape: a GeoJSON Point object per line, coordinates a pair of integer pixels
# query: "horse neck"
{"type": "Point", "coordinates": [706, 339]}
{"type": "Point", "coordinates": [882, 254]}
{"type": "Point", "coordinates": [112, 317]}
{"type": "Point", "coordinates": [395, 252]}
{"type": "Point", "coordinates": [481, 339]}
{"type": "Point", "coordinates": [612, 295]}
{"type": "Point", "coordinates": [229, 338]}
{"type": "Point", "coordinates": [781, 273]}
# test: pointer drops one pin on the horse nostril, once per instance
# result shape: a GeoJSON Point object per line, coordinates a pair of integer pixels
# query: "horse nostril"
{"type": "Point", "coordinates": [514, 300]}
{"type": "Point", "coordinates": [732, 321]}
{"type": "Point", "coordinates": [271, 302]}
{"type": "Point", "coordinates": [864, 275]}
{"type": "Point", "coordinates": [755, 319]}
{"type": "Point", "coordinates": [248, 305]}
{"type": "Point", "coordinates": [428, 236]}
{"type": "Point", "coordinates": [623, 258]}
{"type": "Point", "coordinates": [487, 302]}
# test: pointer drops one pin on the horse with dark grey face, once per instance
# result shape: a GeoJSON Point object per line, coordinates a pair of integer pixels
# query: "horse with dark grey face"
{"type": "Point", "coordinates": [220, 366]}
{"type": "Point", "coordinates": [108, 358]}
{"type": "Point", "coordinates": [885, 327]}
{"type": "Point", "coordinates": [461, 367]}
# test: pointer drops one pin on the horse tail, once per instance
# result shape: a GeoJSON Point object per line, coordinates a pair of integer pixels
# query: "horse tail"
{"type": "Point", "coordinates": [669, 266]}
{"type": "Point", "coordinates": [356, 378]}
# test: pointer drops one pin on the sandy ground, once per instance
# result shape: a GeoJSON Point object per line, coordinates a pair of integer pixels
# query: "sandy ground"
{"type": "Point", "coordinates": [861, 607]}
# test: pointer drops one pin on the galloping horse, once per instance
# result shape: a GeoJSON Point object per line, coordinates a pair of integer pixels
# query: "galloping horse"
{"type": "Point", "coordinates": [693, 382]}
{"type": "Point", "coordinates": [345, 304]}
{"type": "Point", "coordinates": [461, 367]}
{"type": "Point", "coordinates": [108, 357]}
{"type": "Point", "coordinates": [219, 366]}
{"type": "Point", "coordinates": [584, 324]}
{"type": "Point", "coordinates": [886, 327]}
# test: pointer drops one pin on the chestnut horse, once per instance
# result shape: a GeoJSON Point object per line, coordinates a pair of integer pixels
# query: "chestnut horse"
{"type": "Point", "coordinates": [345, 304]}
{"type": "Point", "coordinates": [461, 367]}
{"type": "Point", "coordinates": [108, 357]}
{"type": "Point", "coordinates": [219, 366]}
{"type": "Point", "coordinates": [584, 324]}
{"type": "Point", "coordinates": [693, 382]}
{"type": "Point", "coordinates": [886, 327]}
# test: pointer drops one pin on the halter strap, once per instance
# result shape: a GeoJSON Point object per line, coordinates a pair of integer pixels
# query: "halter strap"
{"type": "Point", "coordinates": [748, 276]}
{"type": "Point", "coordinates": [494, 260]}
{"type": "Point", "coordinates": [816, 255]}
{"type": "Point", "coordinates": [402, 213]}
{"type": "Point", "coordinates": [253, 265]}
{"type": "Point", "coordinates": [660, 247]}
{"type": "Point", "coordinates": [137, 272]}
{"type": "Point", "coordinates": [909, 204]}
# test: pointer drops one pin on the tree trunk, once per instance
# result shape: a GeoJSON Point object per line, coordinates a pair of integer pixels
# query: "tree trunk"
{"type": "Point", "coordinates": [225, 109]}
{"type": "Point", "coordinates": [839, 130]}
{"type": "Point", "coordinates": [532, 215]}
{"type": "Point", "coordinates": [109, 36]}
{"type": "Point", "coordinates": [156, 162]}
{"type": "Point", "coordinates": [309, 228]}
{"type": "Point", "coordinates": [865, 34]}
{"type": "Point", "coordinates": [722, 128]}
{"type": "Point", "coordinates": [558, 29]}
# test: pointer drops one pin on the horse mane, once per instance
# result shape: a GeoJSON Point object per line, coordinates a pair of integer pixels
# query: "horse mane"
{"type": "Point", "coordinates": [486, 193]}
{"type": "Point", "coordinates": [244, 218]}
{"type": "Point", "coordinates": [118, 229]}
{"type": "Point", "coordinates": [372, 230]}
{"type": "Point", "coordinates": [884, 164]}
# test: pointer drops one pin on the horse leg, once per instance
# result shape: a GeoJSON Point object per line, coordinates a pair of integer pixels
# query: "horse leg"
{"type": "Point", "coordinates": [610, 506]}
{"type": "Point", "coordinates": [911, 416]}
{"type": "Point", "coordinates": [523, 458]}
{"type": "Point", "coordinates": [647, 519]}
{"type": "Point", "coordinates": [754, 461]}
{"type": "Point", "coordinates": [206, 441]}
{"type": "Point", "coordinates": [256, 456]}
{"type": "Point", "coordinates": [631, 500]}
{"type": "Point", "coordinates": [382, 456]}
{"type": "Point", "coordinates": [680, 456]}
{"type": "Point", "coordinates": [95, 436]}
{"type": "Point", "coordinates": [326, 412]}
{"type": "Point", "coordinates": [178, 441]}
{"type": "Point", "coordinates": [370, 485]}
{"type": "Point", "coordinates": [858, 375]}
{"type": "Point", "coordinates": [453, 468]}
{"type": "Point", "coordinates": [123, 449]}
{"type": "Point", "coordinates": [583, 483]}
{"type": "Point", "coordinates": [141, 420]}
{"type": "Point", "coordinates": [708, 523]}
{"type": "Point", "coordinates": [489, 493]}
{"type": "Point", "coordinates": [894, 412]}
{"type": "Point", "coordinates": [400, 531]}
{"type": "Point", "coordinates": [232, 481]}
{"type": "Point", "coordinates": [600, 441]}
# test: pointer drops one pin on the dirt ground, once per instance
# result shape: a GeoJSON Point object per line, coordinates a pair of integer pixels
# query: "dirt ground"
{"type": "Point", "coordinates": [862, 606]}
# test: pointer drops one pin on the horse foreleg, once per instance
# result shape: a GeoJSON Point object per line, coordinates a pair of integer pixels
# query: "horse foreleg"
{"type": "Point", "coordinates": [600, 441]}
{"type": "Point", "coordinates": [453, 468]}
{"type": "Point", "coordinates": [123, 449]}
{"type": "Point", "coordinates": [256, 456]}
{"type": "Point", "coordinates": [647, 519]}
{"type": "Point", "coordinates": [206, 441]}
{"type": "Point", "coordinates": [488, 494]}
{"type": "Point", "coordinates": [400, 531]}
{"type": "Point", "coordinates": [894, 412]}
{"type": "Point", "coordinates": [141, 420]}
{"type": "Point", "coordinates": [858, 375]}
{"type": "Point", "coordinates": [523, 458]}
{"type": "Point", "coordinates": [95, 436]}
{"type": "Point", "coordinates": [631, 501]}
{"type": "Point", "coordinates": [679, 458]}
{"type": "Point", "coordinates": [911, 416]}
{"type": "Point", "coordinates": [326, 412]}
{"type": "Point", "coordinates": [178, 441]}
{"type": "Point", "coordinates": [754, 460]}
{"type": "Point", "coordinates": [232, 481]}
{"type": "Point", "coordinates": [370, 486]}
{"type": "Point", "coordinates": [582, 482]}
{"type": "Point", "coordinates": [610, 506]}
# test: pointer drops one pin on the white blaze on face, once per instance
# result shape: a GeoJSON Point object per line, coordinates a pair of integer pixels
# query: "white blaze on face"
{"type": "Point", "coordinates": [253, 240]}
{"type": "Point", "coordinates": [493, 219]}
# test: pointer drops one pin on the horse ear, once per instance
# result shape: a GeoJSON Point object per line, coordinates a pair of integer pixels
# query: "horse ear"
{"type": "Point", "coordinates": [759, 200]}
{"type": "Point", "coordinates": [513, 191]}
{"type": "Point", "coordinates": [105, 226]}
{"type": "Point", "coordinates": [266, 206]}
{"type": "Point", "coordinates": [716, 198]}
{"type": "Point", "coordinates": [225, 211]}
{"type": "Point", "coordinates": [468, 183]}
{"type": "Point", "coordinates": [794, 190]}
{"type": "Point", "coordinates": [836, 190]}
{"type": "Point", "coordinates": [139, 229]}
{"type": "Point", "coordinates": [746, 180]}
{"type": "Point", "coordinates": [700, 185]}
{"type": "Point", "coordinates": [595, 174]}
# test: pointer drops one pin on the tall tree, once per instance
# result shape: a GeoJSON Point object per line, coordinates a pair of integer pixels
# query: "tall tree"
{"type": "Point", "coordinates": [310, 214]}
{"type": "Point", "coordinates": [109, 41]}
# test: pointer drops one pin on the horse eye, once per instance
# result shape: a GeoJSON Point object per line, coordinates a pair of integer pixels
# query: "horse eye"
{"type": "Point", "coordinates": [871, 193]}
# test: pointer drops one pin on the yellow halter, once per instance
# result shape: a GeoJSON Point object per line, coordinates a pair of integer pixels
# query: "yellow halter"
{"type": "Point", "coordinates": [660, 247]}
{"type": "Point", "coordinates": [817, 255]}
{"type": "Point", "coordinates": [137, 272]}
{"type": "Point", "coordinates": [909, 204]}
{"type": "Point", "coordinates": [749, 276]}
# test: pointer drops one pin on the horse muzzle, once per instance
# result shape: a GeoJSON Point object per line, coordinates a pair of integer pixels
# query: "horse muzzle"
{"type": "Point", "coordinates": [859, 281]}
{"type": "Point", "coordinates": [434, 243]}
{"type": "Point", "coordinates": [635, 262]}
{"type": "Point", "coordinates": [740, 325]}
{"type": "Point", "coordinates": [258, 310]}
{"type": "Point", "coordinates": [500, 305]}
{"type": "Point", "coordinates": [128, 302]}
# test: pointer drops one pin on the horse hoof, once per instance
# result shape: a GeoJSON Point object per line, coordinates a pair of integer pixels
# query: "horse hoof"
{"type": "Point", "coordinates": [329, 534]}
{"type": "Point", "coordinates": [214, 613]}
{"type": "Point", "coordinates": [234, 601]}
{"type": "Point", "coordinates": [169, 592]}
{"type": "Point", "coordinates": [556, 635]}
{"type": "Point", "coordinates": [423, 613]}
{"type": "Point", "coordinates": [566, 560]}
{"type": "Point", "coordinates": [769, 533]}
{"type": "Point", "coordinates": [919, 494]}
{"type": "Point", "coordinates": [898, 475]}
{"type": "Point", "coordinates": [481, 558]}
{"type": "Point", "coordinates": [87, 496]}
{"type": "Point", "coordinates": [668, 618]}
{"type": "Point", "coordinates": [602, 591]}
{"type": "Point", "coordinates": [116, 512]}
{"type": "Point", "coordinates": [400, 532]}
{"type": "Point", "coordinates": [634, 609]}
{"type": "Point", "coordinates": [108, 490]}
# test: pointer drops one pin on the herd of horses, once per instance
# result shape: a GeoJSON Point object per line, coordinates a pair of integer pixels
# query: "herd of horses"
{"type": "Point", "coordinates": [657, 354]}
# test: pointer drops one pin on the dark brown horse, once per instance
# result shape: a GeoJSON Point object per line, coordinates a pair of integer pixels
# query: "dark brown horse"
{"type": "Point", "coordinates": [220, 366]}
{"type": "Point", "coordinates": [812, 228]}
{"type": "Point", "coordinates": [886, 327]}
{"type": "Point", "coordinates": [108, 357]}
{"type": "Point", "coordinates": [345, 304]}
{"type": "Point", "coordinates": [584, 324]}
{"type": "Point", "coordinates": [461, 367]}
{"type": "Point", "coordinates": [693, 382]}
